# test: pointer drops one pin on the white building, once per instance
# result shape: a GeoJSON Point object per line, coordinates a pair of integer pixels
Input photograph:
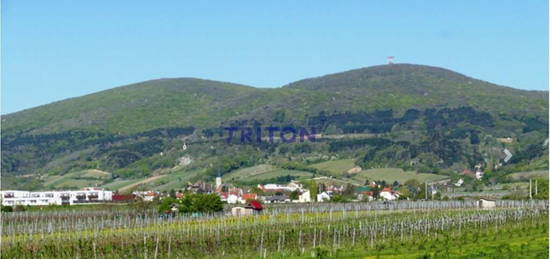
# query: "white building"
{"type": "Point", "coordinates": [218, 182]}
{"type": "Point", "coordinates": [147, 195]}
{"type": "Point", "coordinates": [277, 187]}
{"type": "Point", "coordinates": [388, 195]}
{"type": "Point", "coordinates": [241, 211]}
{"type": "Point", "coordinates": [479, 175]}
{"type": "Point", "coordinates": [234, 199]}
{"type": "Point", "coordinates": [304, 197]}
{"type": "Point", "coordinates": [324, 196]}
{"type": "Point", "coordinates": [486, 204]}
{"type": "Point", "coordinates": [43, 198]}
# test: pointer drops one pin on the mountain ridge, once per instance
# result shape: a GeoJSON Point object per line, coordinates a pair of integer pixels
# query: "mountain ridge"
{"type": "Point", "coordinates": [362, 69]}
{"type": "Point", "coordinates": [410, 113]}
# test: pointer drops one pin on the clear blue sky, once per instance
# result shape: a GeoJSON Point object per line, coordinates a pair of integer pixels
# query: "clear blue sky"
{"type": "Point", "coordinates": [52, 50]}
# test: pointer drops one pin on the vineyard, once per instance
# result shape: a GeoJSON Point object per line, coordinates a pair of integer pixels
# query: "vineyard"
{"type": "Point", "coordinates": [400, 229]}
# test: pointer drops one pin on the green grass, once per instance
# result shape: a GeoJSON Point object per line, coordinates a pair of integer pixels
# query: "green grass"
{"type": "Point", "coordinates": [491, 246]}
{"type": "Point", "coordinates": [508, 242]}
{"type": "Point", "coordinates": [79, 179]}
{"type": "Point", "coordinates": [93, 173]}
{"type": "Point", "coordinates": [339, 168]}
{"type": "Point", "coordinates": [117, 184]}
{"type": "Point", "coordinates": [529, 175]}
{"type": "Point", "coordinates": [395, 174]}
{"type": "Point", "coordinates": [263, 172]}
{"type": "Point", "coordinates": [336, 167]}
{"type": "Point", "coordinates": [175, 181]}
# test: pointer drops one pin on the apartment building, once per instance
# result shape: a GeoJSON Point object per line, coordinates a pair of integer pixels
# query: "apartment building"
{"type": "Point", "coordinates": [42, 198]}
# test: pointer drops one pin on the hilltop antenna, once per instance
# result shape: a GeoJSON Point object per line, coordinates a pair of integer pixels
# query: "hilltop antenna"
{"type": "Point", "coordinates": [390, 60]}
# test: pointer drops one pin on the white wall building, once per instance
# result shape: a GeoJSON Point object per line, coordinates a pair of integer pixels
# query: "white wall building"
{"type": "Point", "coordinates": [479, 175]}
{"type": "Point", "coordinates": [388, 195]}
{"type": "Point", "coordinates": [218, 182]}
{"type": "Point", "coordinates": [276, 187]}
{"type": "Point", "coordinates": [234, 199]}
{"type": "Point", "coordinates": [304, 197]}
{"type": "Point", "coordinates": [486, 204]}
{"type": "Point", "coordinates": [43, 198]}
{"type": "Point", "coordinates": [324, 196]}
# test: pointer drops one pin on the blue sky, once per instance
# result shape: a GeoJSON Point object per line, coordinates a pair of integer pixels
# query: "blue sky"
{"type": "Point", "coordinates": [53, 50]}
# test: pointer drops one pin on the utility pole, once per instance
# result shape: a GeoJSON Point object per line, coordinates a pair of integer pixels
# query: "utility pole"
{"type": "Point", "coordinates": [530, 190]}
{"type": "Point", "coordinates": [426, 190]}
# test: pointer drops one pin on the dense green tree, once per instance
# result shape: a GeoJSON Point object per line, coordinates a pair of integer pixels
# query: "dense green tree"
{"type": "Point", "coordinates": [542, 189]}
{"type": "Point", "coordinates": [206, 203]}
{"type": "Point", "coordinates": [166, 204]}
{"type": "Point", "coordinates": [294, 195]}
{"type": "Point", "coordinates": [313, 189]}
{"type": "Point", "coordinates": [6, 208]}
{"type": "Point", "coordinates": [339, 198]}
{"type": "Point", "coordinates": [256, 190]}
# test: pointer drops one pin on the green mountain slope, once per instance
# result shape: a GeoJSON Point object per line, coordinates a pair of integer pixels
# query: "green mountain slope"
{"type": "Point", "coordinates": [409, 116]}
{"type": "Point", "coordinates": [133, 108]}
{"type": "Point", "coordinates": [405, 86]}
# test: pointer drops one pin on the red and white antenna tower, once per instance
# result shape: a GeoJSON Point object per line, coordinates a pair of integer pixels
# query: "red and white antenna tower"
{"type": "Point", "coordinates": [390, 60]}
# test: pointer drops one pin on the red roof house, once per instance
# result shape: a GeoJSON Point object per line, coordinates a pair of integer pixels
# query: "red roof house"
{"type": "Point", "coordinates": [249, 196]}
{"type": "Point", "coordinates": [255, 205]}
{"type": "Point", "coordinates": [467, 172]}
{"type": "Point", "coordinates": [123, 197]}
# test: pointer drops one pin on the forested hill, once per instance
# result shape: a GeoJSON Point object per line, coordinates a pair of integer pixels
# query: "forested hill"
{"type": "Point", "coordinates": [406, 85]}
{"type": "Point", "coordinates": [408, 115]}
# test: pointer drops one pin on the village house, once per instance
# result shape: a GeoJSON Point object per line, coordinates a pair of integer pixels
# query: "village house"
{"type": "Point", "coordinates": [200, 187]}
{"type": "Point", "coordinates": [304, 197]}
{"type": "Point", "coordinates": [232, 196]}
{"type": "Point", "coordinates": [147, 195]}
{"type": "Point", "coordinates": [276, 199]}
{"type": "Point", "coordinates": [364, 193]}
{"type": "Point", "coordinates": [241, 211]}
{"type": "Point", "coordinates": [249, 196]}
{"type": "Point", "coordinates": [479, 174]}
{"type": "Point", "coordinates": [252, 208]}
{"type": "Point", "coordinates": [278, 188]}
{"type": "Point", "coordinates": [389, 194]}
{"type": "Point", "coordinates": [123, 197]}
{"type": "Point", "coordinates": [486, 204]}
{"type": "Point", "coordinates": [324, 196]}
{"type": "Point", "coordinates": [467, 172]}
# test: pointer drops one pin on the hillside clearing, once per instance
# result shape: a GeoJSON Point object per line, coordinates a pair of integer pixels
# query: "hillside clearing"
{"type": "Point", "coordinates": [395, 174]}
{"type": "Point", "coordinates": [264, 172]}
{"type": "Point", "coordinates": [336, 167]}
{"type": "Point", "coordinates": [79, 179]}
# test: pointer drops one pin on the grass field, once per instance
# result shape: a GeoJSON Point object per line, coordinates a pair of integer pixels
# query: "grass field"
{"type": "Point", "coordinates": [77, 179]}
{"type": "Point", "coordinates": [263, 172]}
{"type": "Point", "coordinates": [176, 180]}
{"type": "Point", "coordinates": [507, 242]}
{"type": "Point", "coordinates": [337, 168]}
{"type": "Point", "coordinates": [529, 175]}
{"type": "Point", "coordinates": [117, 184]}
{"type": "Point", "coordinates": [394, 174]}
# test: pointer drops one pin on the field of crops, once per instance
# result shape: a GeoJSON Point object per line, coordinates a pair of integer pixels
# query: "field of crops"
{"type": "Point", "coordinates": [400, 229]}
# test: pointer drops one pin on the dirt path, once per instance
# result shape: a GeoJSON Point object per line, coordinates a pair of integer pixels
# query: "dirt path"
{"type": "Point", "coordinates": [150, 179]}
